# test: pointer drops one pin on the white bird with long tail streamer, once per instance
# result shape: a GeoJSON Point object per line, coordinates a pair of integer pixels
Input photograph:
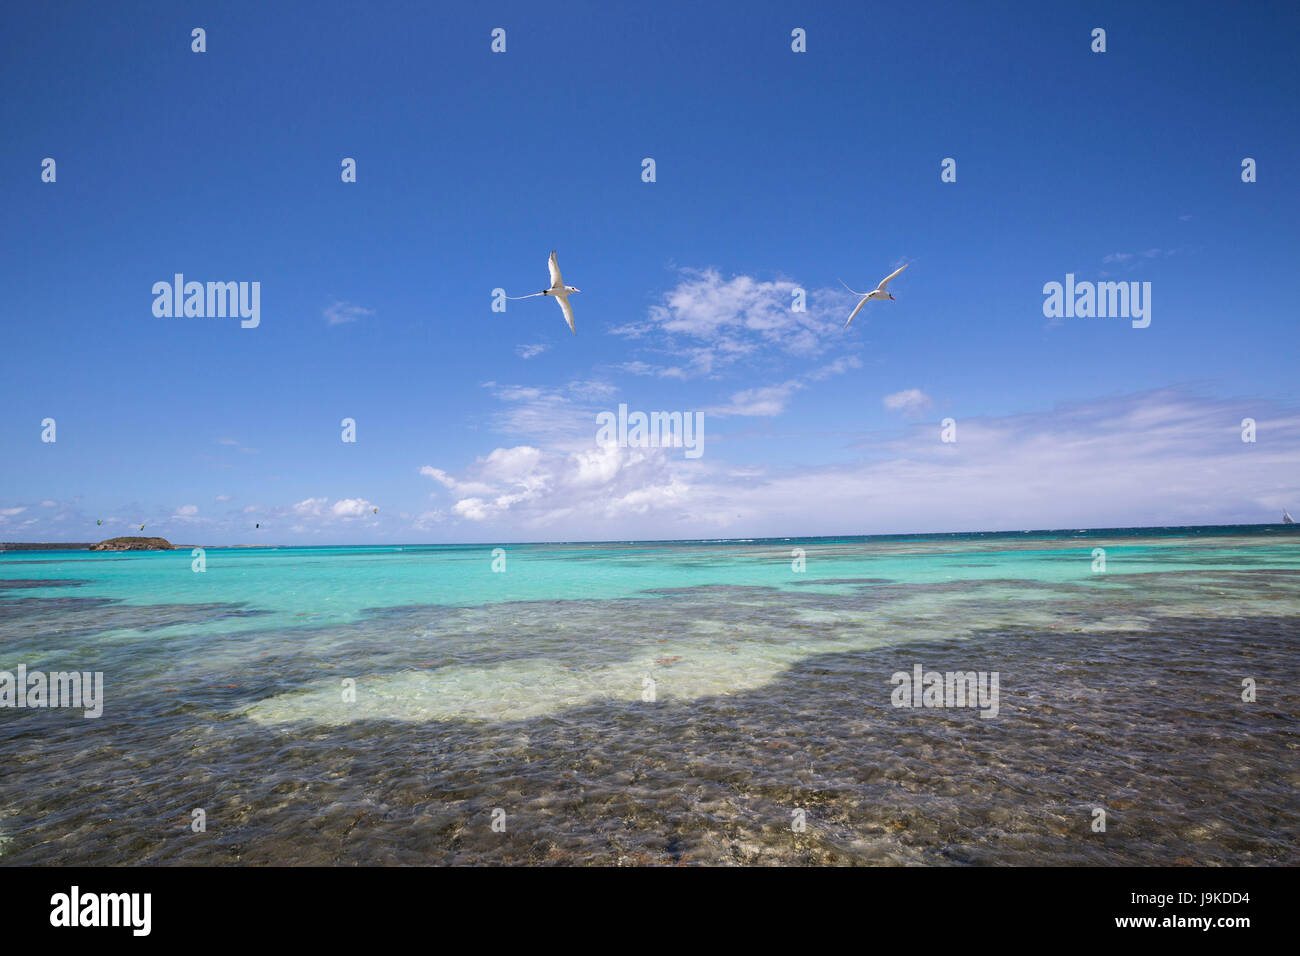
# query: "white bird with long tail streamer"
{"type": "Point", "coordinates": [878, 293]}
{"type": "Point", "coordinates": [558, 290]}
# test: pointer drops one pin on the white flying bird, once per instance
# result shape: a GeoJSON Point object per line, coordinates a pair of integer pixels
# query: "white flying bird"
{"type": "Point", "coordinates": [878, 293]}
{"type": "Point", "coordinates": [557, 289]}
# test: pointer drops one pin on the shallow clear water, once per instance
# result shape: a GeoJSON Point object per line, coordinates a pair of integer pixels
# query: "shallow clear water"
{"type": "Point", "coordinates": [526, 691]}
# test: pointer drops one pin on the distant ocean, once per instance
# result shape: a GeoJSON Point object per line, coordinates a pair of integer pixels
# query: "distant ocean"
{"type": "Point", "coordinates": [688, 702]}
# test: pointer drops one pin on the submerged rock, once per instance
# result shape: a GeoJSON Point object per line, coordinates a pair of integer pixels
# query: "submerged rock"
{"type": "Point", "coordinates": [133, 544]}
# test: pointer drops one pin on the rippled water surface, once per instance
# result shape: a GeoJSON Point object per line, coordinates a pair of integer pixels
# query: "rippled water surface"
{"type": "Point", "coordinates": [661, 703]}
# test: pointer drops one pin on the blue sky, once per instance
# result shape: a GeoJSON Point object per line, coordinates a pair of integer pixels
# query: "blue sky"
{"type": "Point", "coordinates": [774, 169]}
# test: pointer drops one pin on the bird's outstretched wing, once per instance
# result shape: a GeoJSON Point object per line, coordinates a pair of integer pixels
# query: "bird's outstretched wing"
{"type": "Point", "coordinates": [885, 281]}
{"type": "Point", "coordinates": [856, 311]}
{"type": "Point", "coordinates": [554, 266]}
{"type": "Point", "coordinates": [568, 311]}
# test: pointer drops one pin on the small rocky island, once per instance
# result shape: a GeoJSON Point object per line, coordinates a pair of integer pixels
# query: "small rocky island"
{"type": "Point", "coordinates": [133, 544]}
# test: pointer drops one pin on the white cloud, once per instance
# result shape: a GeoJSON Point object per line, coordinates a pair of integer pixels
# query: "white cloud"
{"type": "Point", "coordinates": [766, 401]}
{"type": "Point", "coordinates": [770, 400]}
{"type": "Point", "coordinates": [840, 365]}
{"type": "Point", "coordinates": [908, 400]}
{"type": "Point", "coordinates": [1133, 258]}
{"type": "Point", "coordinates": [707, 306]}
{"type": "Point", "coordinates": [708, 322]}
{"type": "Point", "coordinates": [1156, 458]}
{"type": "Point", "coordinates": [437, 474]}
{"type": "Point", "coordinates": [530, 351]}
{"type": "Point", "coordinates": [508, 464]}
{"type": "Point", "coordinates": [646, 369]}
{"type": "Point", "coordinates": [561, 413]}
{"type": "Point", "coordinates": [1163, 457]}
{"type": "Point", "coordinates": [339, 313]}
{"type": "Point", "coordinates": [323, 511]}
{"type": "Point", "coordinates": [429, 520]}
{"type": "Point", "coordinates": [351, 508]}
{"type": "Point", "coordinates": [536, 487]}
{"type": "Point", "coordinates": [457, 487]}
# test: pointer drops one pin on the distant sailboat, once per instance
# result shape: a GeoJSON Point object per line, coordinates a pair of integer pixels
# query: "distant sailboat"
{"type": "Point", "coordinates": [1286, 518]}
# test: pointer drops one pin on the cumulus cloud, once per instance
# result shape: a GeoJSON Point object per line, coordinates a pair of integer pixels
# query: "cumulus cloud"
{"type": "Point", "coordinates": [535, 487]}
{"type": "Point", "coordinates": [706, 322]}
{"type": "Point", "coordinates": [1163, 457]}
{"type": "Point", "coordinates": [351, 508]}
{"type": "Point", "coordinates": [320, 509]}
{"type": "Point", "coordinates": [530, 351]}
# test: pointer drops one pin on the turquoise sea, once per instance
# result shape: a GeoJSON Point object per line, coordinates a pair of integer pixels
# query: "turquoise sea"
{"type": "Point", "coordinates": [689, 702]}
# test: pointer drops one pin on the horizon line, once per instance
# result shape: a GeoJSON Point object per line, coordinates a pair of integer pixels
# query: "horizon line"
{"type": "Point", "coordinates": [53, 545]}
